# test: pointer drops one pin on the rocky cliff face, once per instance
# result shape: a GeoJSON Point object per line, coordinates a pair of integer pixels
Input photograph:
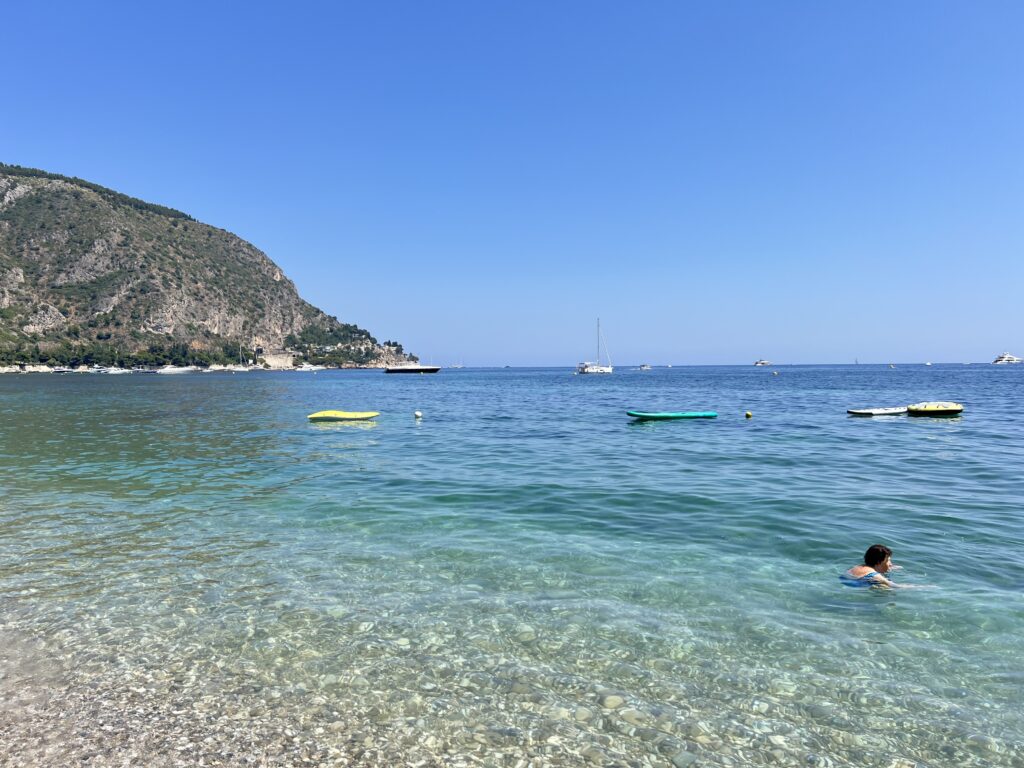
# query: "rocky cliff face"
{"type": "Point", "coordinates": [81, 265]}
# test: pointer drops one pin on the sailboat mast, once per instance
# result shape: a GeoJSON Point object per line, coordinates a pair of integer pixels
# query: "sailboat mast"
{"type": "Point", "coordinates": [598, 358]}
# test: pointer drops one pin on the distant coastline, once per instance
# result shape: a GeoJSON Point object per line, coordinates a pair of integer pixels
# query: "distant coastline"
{"type": "Point", "coordinates": [215, 368]}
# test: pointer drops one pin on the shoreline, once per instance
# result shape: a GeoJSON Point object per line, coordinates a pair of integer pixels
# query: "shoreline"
{"type": "Point", "coordinates": [60, 370]}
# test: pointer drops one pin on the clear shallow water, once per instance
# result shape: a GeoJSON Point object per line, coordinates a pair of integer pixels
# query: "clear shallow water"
{"type": "Point", "coordinates": [525, 575]}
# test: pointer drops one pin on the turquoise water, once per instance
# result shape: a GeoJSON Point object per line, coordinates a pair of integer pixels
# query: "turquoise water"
{"type": "Point", "coordinates": [522, 577]}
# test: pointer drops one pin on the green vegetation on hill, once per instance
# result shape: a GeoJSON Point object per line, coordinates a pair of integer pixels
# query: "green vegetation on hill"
{"type": "Point", "coordinates": [99, 353]}
{"type": "Point", "coordinates": [341, 344]}
{"type": "Point", "coordinates": [115, 197]}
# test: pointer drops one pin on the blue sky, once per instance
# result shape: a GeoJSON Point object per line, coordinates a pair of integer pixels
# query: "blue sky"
{"type": "Point", "coordinates": [802, 181]}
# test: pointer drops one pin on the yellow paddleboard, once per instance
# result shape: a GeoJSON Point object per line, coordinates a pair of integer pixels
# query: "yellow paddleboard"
{"type": "Point", "coordinates": [934, 409]}
{"type": "Point", "coordinates": [342, 415]}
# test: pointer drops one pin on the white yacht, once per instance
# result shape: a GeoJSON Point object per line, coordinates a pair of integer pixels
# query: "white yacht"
{"type": "Point", "coordinates": [1006, 358]}
{"type": "Point", "coordinates": [762, 362]}
{"type": "Point", "coordinates": [588, 367]}
{"type": "Point", "coordinates": [178, 369]}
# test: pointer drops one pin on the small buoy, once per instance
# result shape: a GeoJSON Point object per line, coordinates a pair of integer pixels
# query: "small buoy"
{"type": "Point", "coordinates": [418, 414]}
{"type": "Point", "coordinates": [749, 415]}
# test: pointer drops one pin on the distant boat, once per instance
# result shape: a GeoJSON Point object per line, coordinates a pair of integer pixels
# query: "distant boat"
{"type": "Point", "coordinates": [412, 369]}
{"type": "Point", "coordinates": [645, 367]}
{"type": "Point", "coordinates": [1007, 359]}
{"type": "Point", "coordinates": [588, 367]}
{"type": "Point", "coordinates": [762, 362]}
{"type": "Point", "coordinates": [892, 365]}
{"type": "Point", "coordinates": [927, 363]}
{"type": "Point", "coordinates": [178, 369]}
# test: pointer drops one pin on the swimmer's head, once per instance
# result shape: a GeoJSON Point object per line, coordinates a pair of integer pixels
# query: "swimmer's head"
{"type": "Point", "coordinates": [877, 557]}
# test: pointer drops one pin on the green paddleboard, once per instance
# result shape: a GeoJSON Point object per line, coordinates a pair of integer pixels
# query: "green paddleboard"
{"type": "Point", "coordinates": [665, 416]}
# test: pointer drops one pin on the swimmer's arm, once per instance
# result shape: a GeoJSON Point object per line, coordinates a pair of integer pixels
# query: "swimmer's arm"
{"type": "Point", "coordinates": [881, 581]}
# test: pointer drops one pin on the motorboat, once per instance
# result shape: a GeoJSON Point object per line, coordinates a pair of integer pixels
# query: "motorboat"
{"type": "Point", "coordinates": [645, 367]}
{"type": "Point", "coordinates": [1006, 359]}
{"type": "Point", "coordinates": [762, 362]}
{"type": "Point", "coordinates": [178, 369]}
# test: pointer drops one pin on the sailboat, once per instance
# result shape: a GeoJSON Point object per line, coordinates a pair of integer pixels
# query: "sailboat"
{"type": "Point", "coordinates": [597, 367]}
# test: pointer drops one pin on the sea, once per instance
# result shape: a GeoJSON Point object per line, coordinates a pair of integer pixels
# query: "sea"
{"type": "Point", "coordinates": [192, 573]}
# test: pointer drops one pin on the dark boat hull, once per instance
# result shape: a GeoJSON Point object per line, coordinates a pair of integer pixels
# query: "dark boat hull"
{"type": "Point", "coordinates": [413, 369]}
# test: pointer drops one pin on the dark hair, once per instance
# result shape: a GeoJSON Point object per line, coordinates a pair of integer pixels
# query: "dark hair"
{"type": "Point", "coordinates": [876, 554]}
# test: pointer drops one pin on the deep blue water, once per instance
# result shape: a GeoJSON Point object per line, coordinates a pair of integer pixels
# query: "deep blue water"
{"type": "Point", "coordinates": [525, 572]}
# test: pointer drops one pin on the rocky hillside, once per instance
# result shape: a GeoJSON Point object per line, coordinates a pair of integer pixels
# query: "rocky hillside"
{"type": "Point", "coordinates": [89, 274]}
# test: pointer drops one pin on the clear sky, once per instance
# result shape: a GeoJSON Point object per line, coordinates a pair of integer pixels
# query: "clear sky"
{"type": "Point", "coordinates": [718, 181]}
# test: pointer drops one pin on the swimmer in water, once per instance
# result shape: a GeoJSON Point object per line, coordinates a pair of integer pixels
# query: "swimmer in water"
{"type": "Point", "coordinates": [877, 563]}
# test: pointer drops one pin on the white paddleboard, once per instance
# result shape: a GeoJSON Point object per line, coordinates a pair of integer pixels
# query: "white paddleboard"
{"type": "Point", "coordinates": [877, 411]}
